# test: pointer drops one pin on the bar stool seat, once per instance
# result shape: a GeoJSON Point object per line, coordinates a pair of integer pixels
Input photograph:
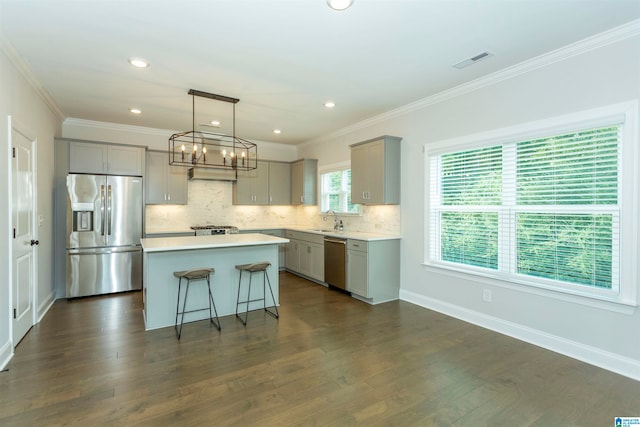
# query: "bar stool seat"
{"type": "Point", "coordinates": [257, 267]}
{"type": "Point", "coordinates": [194, 274]}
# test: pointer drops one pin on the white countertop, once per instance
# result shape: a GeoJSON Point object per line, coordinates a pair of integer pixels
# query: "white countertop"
{"type": "Point", "coordinates": [347, 234]}
{"type": "Point", "coordinates": [151, 231]}
{"type": "Point", "coordinates": [165, 244]}
{"type": "Point", "coordinates": [359, 235]}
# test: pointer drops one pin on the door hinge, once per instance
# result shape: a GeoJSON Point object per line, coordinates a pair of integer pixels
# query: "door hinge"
{"type": "Point", "coordinates": [13, 150]}
{"type": "Point", "coordinates": [15, 314]}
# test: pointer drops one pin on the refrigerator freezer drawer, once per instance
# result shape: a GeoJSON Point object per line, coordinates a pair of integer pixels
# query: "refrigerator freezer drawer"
{"type": "Point", "coordinates": [103, 271]}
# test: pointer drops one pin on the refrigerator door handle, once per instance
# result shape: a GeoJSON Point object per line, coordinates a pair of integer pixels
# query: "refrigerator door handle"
{"type": "Point", "coordinates": [72, 252]}
{"type": "Point", "coordinates": [102, 203]}
{"type": "Point", "coordinates": [109, 216]}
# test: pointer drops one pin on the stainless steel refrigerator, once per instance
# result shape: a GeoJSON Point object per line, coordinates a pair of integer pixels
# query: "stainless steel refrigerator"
{"type": "Point", "coordinates": [104, 227]}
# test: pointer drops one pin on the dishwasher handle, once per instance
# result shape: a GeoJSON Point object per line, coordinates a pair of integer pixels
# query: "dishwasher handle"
{"type": "Point", "coordinates": [339, 241]}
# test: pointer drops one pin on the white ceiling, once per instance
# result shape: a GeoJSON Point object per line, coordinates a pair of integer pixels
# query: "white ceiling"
{"type": "Point", "coordinates": [282, 58]}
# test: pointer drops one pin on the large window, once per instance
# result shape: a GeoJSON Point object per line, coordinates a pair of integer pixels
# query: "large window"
{"type": "Point", "coordinates": [336, 192]}
{"type": "Point", "coordinates": [543, 210]}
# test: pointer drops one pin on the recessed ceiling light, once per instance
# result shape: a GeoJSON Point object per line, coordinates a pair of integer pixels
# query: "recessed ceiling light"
{"type": "Point", "coordinates": [339, 4]}
{"type": "Point", "coordinates": [138, 62]}
{"type": "Point", "coordinates": [277, 131]}
{"type": "Point", "coordinates": [329, 104]}
{"type": "Point", "coordinates": [135, 110]}
{"type": "Point", "coordinates": [215, 123]}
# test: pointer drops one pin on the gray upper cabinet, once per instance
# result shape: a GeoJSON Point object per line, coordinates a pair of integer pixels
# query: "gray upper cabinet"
{"type": "Point", "coordinates": [304, 182]}
{"type": "Point", "coordinates": [375, 171]}
{"type": "Point", "coordinates": [99, 158]}
{"type": "Point", "coordinates": [268, 184]}
{"type": "Point", "coordinates": [279, 183]}
{"type": "Point", "coordinates": [164, 184]}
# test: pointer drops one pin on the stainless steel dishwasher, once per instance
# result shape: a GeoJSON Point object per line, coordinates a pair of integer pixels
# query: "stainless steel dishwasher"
{"type": "Point", "coordinates": [335, 262]}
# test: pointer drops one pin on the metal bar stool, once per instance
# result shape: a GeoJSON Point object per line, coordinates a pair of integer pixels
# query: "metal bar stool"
{"type": "Point", "coordinates": [194, 274]}
{"type": "Point", "coordinates": [255, 268]}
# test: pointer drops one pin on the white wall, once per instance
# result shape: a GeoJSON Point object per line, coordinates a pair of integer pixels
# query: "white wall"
{"type": "Point", "coordinates": [587, 78]}
{"type": "Point", "coordinates": [20, 101]}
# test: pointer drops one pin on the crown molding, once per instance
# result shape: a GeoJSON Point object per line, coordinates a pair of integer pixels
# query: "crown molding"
{"type": "Point", "coordinates": [166, 133]}
{"type": "Point", "coordinates": [25, 71]}
{"type": "Point", "coordinates": [117, 127]}
{"type": "Point", "coordinates": [614, 35]}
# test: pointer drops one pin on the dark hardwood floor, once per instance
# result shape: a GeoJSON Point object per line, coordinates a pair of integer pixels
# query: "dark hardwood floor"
{"type": "Point", "coordinates": [329, 360]}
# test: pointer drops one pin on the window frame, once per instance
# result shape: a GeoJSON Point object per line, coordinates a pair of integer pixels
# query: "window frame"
{"type": "Point", "coordinates": [336, 167]}
{"type": "Point", "coordinates": [628, 200]}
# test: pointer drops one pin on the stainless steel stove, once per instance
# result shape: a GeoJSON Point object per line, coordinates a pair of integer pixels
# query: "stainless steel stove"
{"type": "Point", "coordinates": [211, 230]}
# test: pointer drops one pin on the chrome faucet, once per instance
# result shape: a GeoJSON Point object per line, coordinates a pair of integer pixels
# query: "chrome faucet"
{"type": "Point", "coordinates": [337, 222]}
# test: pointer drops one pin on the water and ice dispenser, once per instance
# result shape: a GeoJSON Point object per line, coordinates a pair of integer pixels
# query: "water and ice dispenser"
{"type": "Point", "coordinates": [82, 216]}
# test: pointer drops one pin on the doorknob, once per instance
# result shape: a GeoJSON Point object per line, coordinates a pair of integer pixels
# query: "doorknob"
{"type": "Point", "coordinates": [35, 242]}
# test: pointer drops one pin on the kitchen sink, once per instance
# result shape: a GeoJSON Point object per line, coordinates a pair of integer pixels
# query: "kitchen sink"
{"type": "Point", "coordinates": [322, 230]}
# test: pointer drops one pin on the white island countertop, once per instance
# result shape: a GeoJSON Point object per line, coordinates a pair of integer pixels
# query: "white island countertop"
{"type": "Point", "coordinates": [166, 244]}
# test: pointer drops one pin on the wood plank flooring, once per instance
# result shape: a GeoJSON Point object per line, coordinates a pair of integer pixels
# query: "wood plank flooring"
{"type": "Point", "coordinates": [329, 361]}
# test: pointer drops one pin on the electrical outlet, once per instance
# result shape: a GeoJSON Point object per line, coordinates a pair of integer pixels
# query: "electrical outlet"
{"type": "Point", "coordinates": [486, 295]}
{"type": "Point", "coordinates": [163, 214]}
{"type": "Point", "coordinates": [365, 217]}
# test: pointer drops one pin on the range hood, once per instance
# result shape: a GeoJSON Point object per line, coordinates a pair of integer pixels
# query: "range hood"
{"type": "Point", "coordinates": [213, 174]}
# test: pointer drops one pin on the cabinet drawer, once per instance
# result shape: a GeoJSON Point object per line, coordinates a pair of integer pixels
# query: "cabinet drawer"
{"type": "Point", "coordinates": [305, 237]}
{"type": "Point", "coordinates": [358, 245]}
{"type": "Point", "coordinates": [311, 237]}
{"type": "Point", "coordinates": [290, 234]}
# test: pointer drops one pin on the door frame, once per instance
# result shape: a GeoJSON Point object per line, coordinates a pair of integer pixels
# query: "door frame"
{"type": "Point", "coordinates": [13, 124]}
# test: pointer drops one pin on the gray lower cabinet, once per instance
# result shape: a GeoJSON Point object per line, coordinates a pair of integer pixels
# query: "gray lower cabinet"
{"type": "Point", "coordinates": [304, 174]}
{"type": "Point", "coordinates": [305, 254]}
{"type": "Point", "coordinates": [164, 184]}
{"type": "Point", "coordinates": [101, 158]}
{"type": "Point", "coordinates": [373, 270]}
{"type": "Point", "coordinates": [375, 171]}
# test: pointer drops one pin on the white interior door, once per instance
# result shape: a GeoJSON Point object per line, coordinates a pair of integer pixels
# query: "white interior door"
{"type": "Point", "coordinates": [24, 243]}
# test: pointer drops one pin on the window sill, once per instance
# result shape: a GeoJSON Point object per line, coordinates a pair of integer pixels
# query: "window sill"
{"type": "Point", "coordinates": [605, 303]}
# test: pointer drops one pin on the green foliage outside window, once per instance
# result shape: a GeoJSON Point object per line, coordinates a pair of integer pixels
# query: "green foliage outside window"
{"type": "Point", "coordinates": [336, 192]}
{"type": "Point", "coordinates": [549, 192]}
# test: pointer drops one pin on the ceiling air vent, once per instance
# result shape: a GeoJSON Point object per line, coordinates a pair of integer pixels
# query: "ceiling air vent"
{"type": "Point", "coordinates": [479, 57]}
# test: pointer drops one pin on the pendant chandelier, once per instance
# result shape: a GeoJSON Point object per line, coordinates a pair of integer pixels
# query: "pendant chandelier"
{"type": "Point", "coordinates": [198, 149]}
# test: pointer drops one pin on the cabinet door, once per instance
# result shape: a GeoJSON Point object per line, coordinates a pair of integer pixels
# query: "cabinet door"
{"type": "Point", "coordinates": [155, 178]}
{"type": "Point", "coordinates": [359, 174]}
{"type": "Point", "coordinates": [123, 160]}
{"type": "Point", "coordinates": [177, 184]}
{"type": "Point", "coordinates": [357, 277]}
{"type": "Point", "coordinates": [86, 157]}
{"type": "Point", "coordinates": [305, 259]}
{"type": "Point", "coordinates": [375, 172]}
{"type": "Point", "coordinates": [297, 183]}
{"type": "Point", "coordinates": [243, 188]}
{"type": "Point", "coordinates": [260, 184]}
{"type": "Point", "coordinates": [292, 256]}
{"type": "Point", "coordinates": [279, 183]}
{"type": "Point", "coordinates": [317, 261]}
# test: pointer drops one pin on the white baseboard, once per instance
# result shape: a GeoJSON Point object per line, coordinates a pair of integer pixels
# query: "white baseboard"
{"type": "Point", "coordinates": [46, 305]}
{"type": "Point", "coordinates": [595, 356]}
{"type": "Point", "coordinates": [6, 353]}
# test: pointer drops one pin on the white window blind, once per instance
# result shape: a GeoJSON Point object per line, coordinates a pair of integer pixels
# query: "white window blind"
{"type": "Point", "coordinates": [336, 192]}
{"type": "Point", "coordinates": [545, 210]}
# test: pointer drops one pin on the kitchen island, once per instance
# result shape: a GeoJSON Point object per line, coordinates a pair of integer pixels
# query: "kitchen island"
{"type": "Point", "coordinates": [163, 256]}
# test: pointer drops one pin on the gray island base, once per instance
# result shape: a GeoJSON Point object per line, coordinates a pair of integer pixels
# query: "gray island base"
{"type": "Point", "coordinates": [163, 256]}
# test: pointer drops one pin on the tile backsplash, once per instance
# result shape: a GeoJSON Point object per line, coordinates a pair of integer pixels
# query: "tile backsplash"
{"type": "Point", "coordinates": [210, 202]}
